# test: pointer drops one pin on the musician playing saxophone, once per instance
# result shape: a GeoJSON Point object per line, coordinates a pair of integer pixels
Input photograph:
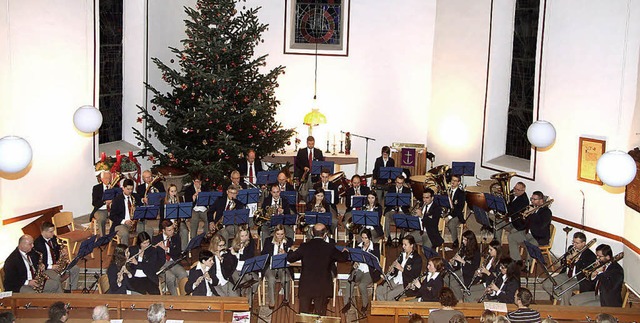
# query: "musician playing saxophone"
{"type": "Point", "coordinates": [21, 270]}
{"type": "Point", "coordinates": [224, 203]}
{"type": "Point", "coordinates": [122, 210]}
{"type": "Point", "coordinates": [572, 270]}
{"type": "Point", "coordinates": [465, 262]}
{"type": "Point", "coordinates": [402, 271]}
{"type": "Point", "coordinates": [608, 278]}
{"type": "Point", "coordinates": [55, 255]}
{"type": "Point", "coordinates": [536, 229]}
{"type": "Point", "coordinates": [275, 205]}
{"type": "Point", "coordinates": [148, 187]}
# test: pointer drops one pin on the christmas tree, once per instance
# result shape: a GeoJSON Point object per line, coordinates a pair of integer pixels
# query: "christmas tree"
{"type": "Point", "coordinates": [220, 104]}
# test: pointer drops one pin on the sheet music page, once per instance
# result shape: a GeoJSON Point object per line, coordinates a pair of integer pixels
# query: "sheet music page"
{"type": "Point", "coordinates": [496, 307]}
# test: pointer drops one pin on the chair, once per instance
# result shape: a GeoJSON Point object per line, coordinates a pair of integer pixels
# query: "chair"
{"type": "Point", "coordinates": [625, 294]}
{"type": "Point", "coordinates": [63, 221]}
{"type": "Point", "coordinates": [103, 284]}
{"type": "Point", "coordinates": [383, 262]}
{"type": "Point", "coordinates": [546, 250]}
{"type": "Point", "coordinates": [2, 279]}
{"type": "Point", "coordinates": [181, 286]}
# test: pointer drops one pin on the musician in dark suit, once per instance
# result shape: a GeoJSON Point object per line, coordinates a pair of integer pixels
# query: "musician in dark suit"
{"type": "Point", "coordinates": [283, 182]}
{"type": "Point", "coordinates": [465, 263]}
{"type": "Point", "coordinates": [355, 190]}
{"type": "Point", "coordinates": [372, 205]}
{"type": "Point", "coordinates": [147, 260]}
{"type": "Point", "coordinates": [119, 259]}
{"type": "Point", "coordinates": [305, 155]}
{"type": "Point", "coordinates": [608, 279]}
{"type": "Point", "coordinates": [171, 246]}
{"type": "Point", "coordinates": [148, 187]}
{"type": "Point", "coordinates": [536, 228]}
{"type": "Point", "coordinates": [390, 210]}
{"type": "Point", "coordinates": [504, 287]}
{"type": "Point", "coordinates": [122, 210]}
{"type": "Point", "coordinates": [363, 275]}
{"type": "Point", "coordinates": [250, 167]}
{"type": "Point", "coordinates": [403, 271]}
{"type": "Point", "coordinates": [52, 252]}
{"type": "Point", "coordinates": [456, 216]}
{"type": "Point", "coordinates": [99, 211]}
{"type": "Point", "coordinates": [572, 270]}
{"type": "Point", "coordinates": [243, 247]}
{"type": "Point", "coordinates": [275, 245]}
{"type": "Point", "coordinates": [382, 161]}
{"type": "Point", "coordinates": [518, 201]}
{"type": "Point", "coordinates": [224, 203]}
{"type": "Point", "coordinates": [324, 184]}
{"type": "Point", "coordinates": [21, 270]}
{"type": "Point", "coordinates": [429, 289]}
{"type": "Point", "coordinates": [198, 213]}
{"type": "Point", "coordinates": [431, 215]}
{"type": "Point", "coordinates": [271, 202]}
{"type": "Point", "coordinates": [200, 282]}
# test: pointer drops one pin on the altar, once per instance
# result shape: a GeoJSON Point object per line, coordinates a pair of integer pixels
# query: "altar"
{"type": "Point", "coordinates": [289, 156]}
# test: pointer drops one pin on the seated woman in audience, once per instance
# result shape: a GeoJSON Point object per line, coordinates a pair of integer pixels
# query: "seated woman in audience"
{"type": "Point", "coordinates": [448, 301]}
{"type": "Point", "coordinates": [504, 288]}
{"type": "Point", "coordinates": [429, 289]}
{"type": "Point", "coordinates": [119, 276]}
{"type": "Point", "coordinates": [200, 281]}
{"type": "Point", "coordinates": [146, 261]}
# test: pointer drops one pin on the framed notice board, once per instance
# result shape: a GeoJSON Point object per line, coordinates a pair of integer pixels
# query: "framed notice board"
{"type": "Point", "coordinates": [632, 192]}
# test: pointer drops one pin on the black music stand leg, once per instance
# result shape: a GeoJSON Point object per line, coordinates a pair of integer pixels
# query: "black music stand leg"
{"type": "Point", "coordinates": [285, 300]}
{"type": "Point", "coordinates": [85, 290]}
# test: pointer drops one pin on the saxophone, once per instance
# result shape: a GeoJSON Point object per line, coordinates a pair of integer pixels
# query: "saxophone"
{"type": "Point", "coordinates": [64, 260]}
{"type": "Point", "coordinates": [41, 276]}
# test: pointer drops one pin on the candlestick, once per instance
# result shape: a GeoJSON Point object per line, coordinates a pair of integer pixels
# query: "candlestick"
{"type": "Point", "coordinates": [334, 150]}
{"type": "Point", "coordinates": [341, 142]}
{"type": "Point", "coordinates": [328, 151]}
{"type": "Point", "coordinates": [130, 155]}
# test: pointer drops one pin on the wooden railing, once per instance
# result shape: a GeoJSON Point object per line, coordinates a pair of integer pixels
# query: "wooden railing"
{"type": "Point", "coordinates": [129, 307]}
{"type": "Point", "coordinates": [474, 310]}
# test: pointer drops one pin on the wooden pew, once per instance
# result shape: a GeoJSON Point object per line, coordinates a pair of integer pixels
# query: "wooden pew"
{"type": "Point", "coordinates": [400, 310]}
{"type": "Point", "coordinates": [129, 307]}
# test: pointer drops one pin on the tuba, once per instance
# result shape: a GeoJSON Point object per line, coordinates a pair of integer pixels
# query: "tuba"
{"type": "Point", "coordinates": [260, 218]}
{"type": "Point", "coordinates": [115, 180]}
{"type": "Point", "coordinates": [440, 177]}
{"type": "Point", "coordinates": [503, 180]}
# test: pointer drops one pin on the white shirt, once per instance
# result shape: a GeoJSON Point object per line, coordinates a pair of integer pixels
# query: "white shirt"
{"type": "Point", "coordinates": [27, 263]}
{"type": "Point", "coordinates": [431, 276]}
{"type": "Point", "coordinates": [240, 262]}
{"type": "Point", "coordinates": [504, 281]}
{"type": "Point", "coordinates": [398, 279]}
{"type": "Point", "coordinates": [362, 266]}
{"type": "Point", "coordinates": [139, 272]}
{"type": "Point", "coordinates": [221, 280]}
{"type": "Point", "coordinates": [104, 188]}
{"type": "Point", "coordinates": [251, 169]}
{"type": "Point", "coordinates": [127, 214]}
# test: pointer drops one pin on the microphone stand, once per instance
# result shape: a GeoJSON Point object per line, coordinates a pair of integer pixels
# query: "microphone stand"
{"type": "Point", "coordinates": [366, 148]}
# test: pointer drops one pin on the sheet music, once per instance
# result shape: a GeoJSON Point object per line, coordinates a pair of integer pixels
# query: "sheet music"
{"type": "Point", "coordinates": [496, 307]}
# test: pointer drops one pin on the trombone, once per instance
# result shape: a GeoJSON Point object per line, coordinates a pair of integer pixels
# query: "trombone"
{"type": "Point", "coordinates": [589, 270]}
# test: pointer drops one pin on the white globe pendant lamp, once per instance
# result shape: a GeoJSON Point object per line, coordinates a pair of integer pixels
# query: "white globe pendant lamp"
{"type": "Point", "coordinates": [616, 168]}
{"type": "Point", "coordinates": [15, 154]}
{"type": "Point", "coordinates": [87, 119]}
{"type": "Point", "coordinates": [541, 134]}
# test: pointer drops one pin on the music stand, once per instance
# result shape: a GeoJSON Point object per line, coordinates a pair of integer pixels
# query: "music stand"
{"type": "Point", "coordinates": [251, 265]}
{"type": "Point", "coordinates": [463, 168]}
{"type": "Point", "coordinates": [267, 177]}
{"type": "Point", "coordinates": [443, 201]}
{"type": "Point", "coordinates": [249, 196]}
{"type": "Point", "coordinates": [428, 252]}
{"type": "Point", "coordinates": [99, 242]}
{"type": "Point", "coordinates": [365, 218]}
{"type": "Point", "coordinates": [109, 194]}
{"type": "Point", "coordinates": [535, 253]}
{"type": "Point", "coordinates": [178, 211]}
{"type": "Point", "coordinates": [328, 195]}
{"type": "Point", "coordinates": [86, 247]}
{"type": "Point", "coordinates": [280, 262]}
{"type": "Point", "coordinates": [317, 217]}
{"type": "Point", "coordinates": [390, 172]}
{"type": "Point", "coordinates": [449, 269]}
{"type": "Point", "coordinates": [357, 201]}
{"type": "Point", "coordinates": [155, 198]}
{"type": "Point", "coordinates": [317, 166]}
{"type": "Point", "coordinates": [207, 198]}
{"type": "Point", "coordinates": [193, 243]}
{"type": "Point", "coordinates": [292, 200]}
{"type": "Point", "coordinates": [404, 221]}
{"type": "Point", "coordinates": [284, 219]}
{"type": "Point", "coordinates": [397, 200]}
{"type": "Point", "coordinates": [354, 255]}
{"type": "Point", "coordinates": [145, 212]}
{"type": "Point", "coordinates": [235, 217]}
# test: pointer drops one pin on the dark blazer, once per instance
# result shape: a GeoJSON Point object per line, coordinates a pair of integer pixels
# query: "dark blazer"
{"type": "Point", "coordinates": [317, 258]}
{"type": "Point", "coordinates": [586, 258]}
{"type": "Point", "coordinates": [243, 168]}
{"type": "Point", "coordinates": [189, 190]}
{"type": "Point", "coordinates": [118, 208]}
{"type": "Point", "coordinates": [429, 291]}
{"type": "Point", "coordinates": [494, 272]}
{"type": "Point", "coordinates": [471, 264]}
{"type": "Point", "coordinates": [219, 207]}
{"type": "Point", "coordinates": [15, 271]}
{"type": "Point", "coordinates": [302, 160]}
{"type": "Point", "coordinates": [267, 249]}
{"type": "Point", "coordinates": [539, 225]}
{"type": "Point", "coordinates": [112, 274]}
{"type": "Point", "coordinates": [459, 200]}
{"type": "Point", "coordinates": [374, 273]}
{"type": "Point", "coordinates": [378, 228]}
{"type": "Point", "coordinates": [411, 271]}
{"type": "Point", "coordinates": [287, 187]}
{"type": "Point", "coordinates": [392, 189]}
{"type": "Point", "coordinates": [201, 290]}
{"type": "Point", "coordinates": [430, 223]}
{"type": "Point", "coordinates": [610, 285]}
{"type": "Point", "coordinates": [152, 260]}
{"type": "Point", "coordinates": [508, 291]}
{"type": "Point", "coordinates": [229, 263]}
{"type": "Point", "coordinates": [141, 188]}
{"type": "Point", "coordinates": [516, 205]}
{"type": "Point", "coordinates": [351, 192]}
{"type": "Point", "coordinates": [249, 251]}
{"type": "Point", "coordinates": [334, 192]}
{"type": "Point", "coordinates": [96, 198]}
{"type": "Point", "coordinates": [285, 204]}
{"type": "Point", "coordinates": [40, 245]}
{"type": "Point", "coordinates": [379, 164]}
{"type": "Point", "coordinates": [175, 246]}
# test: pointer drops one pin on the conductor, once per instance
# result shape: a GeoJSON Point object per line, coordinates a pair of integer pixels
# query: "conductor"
{"type": "Point", "coordinates": [315, 280]}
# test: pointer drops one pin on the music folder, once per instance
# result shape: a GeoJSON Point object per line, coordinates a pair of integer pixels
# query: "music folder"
{"type": "Point", "coordinates": [267, 177]}
{"type": "Point", "coordinates": [279, 261]}
{"type": "Point", "coordinates": [365, 218]}
{"type": "Point", "coordinates": [397, 199]}
{"type": "Point", "coordinates": [405, 221]}
{"type": "Point", "coordinates": [178, 210]}
{"type": "Point", "coordinates": [316, 217]}
{"type": "Point", "coordinates": [86, 247]}
{"type": "Point", "coordinates": [442, 200]}
{"type": "Point", "coordinates": [495, 203]}
{"type": "Point", "coordinates": [194, 243]}
{"type": "Point", "coordinates": [235, 217]}
{"type": "Point", "coordinates": [357, 201]}
{"type": "Point", "coordinates": [317, 166]}
{"type": "Point", "coordinates": [207, 198]}
{"type": "Point", "coordinates": [284, 219]}
{"type": "Point", "coordinates": [155, 198]}
{"type": "Point", "coordinates": [249, 196]}
{"type": "Point", "coordinates": [328, 195]}
{"type": "Point", "coordinates": [109, 194]}
{"type": "Point", "coordinates": [463, 168]}
{"type": "Point", "coordinates": [429, 252]}
{"type": "Point", "coordinates": [390, 172]}
{"type": "Point", "coordinates": [147, 212]}
{"type": "Point", "coordinates": [291, 196]}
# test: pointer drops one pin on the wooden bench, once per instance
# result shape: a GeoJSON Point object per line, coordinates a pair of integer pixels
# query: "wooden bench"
{"type": "Point", "coordinates": [129, 307]}
{"type": "Point", "coordinates": [400, 310]}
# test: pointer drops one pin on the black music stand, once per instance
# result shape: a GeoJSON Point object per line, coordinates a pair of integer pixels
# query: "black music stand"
{"type": "Point", "coordinates": [99, 242]}
{"type": "Point", "coordinates": [366, 218]}
{"type": "Point", "coordinates": [193, 243]}
{"type": "Point", "coordinates": [251, 265]}
{"type": "Point", "coordinates": [235, 218]}
{"type": "Point", "coordinates": [317, 217]}
{"type": "Point", "coordinates": [249, 196]}
{"type": "Point", "coordinates": [109, 194]}
{"type": "Point", "coordinates": [328, 195]}
{"type": "Point", "coordinates": [86, 247]}
{"type": "Point", "coordinates": [396, 200]}
{"type": "Point", "coordinates": [390, 172]}
{"type": "Point", "coordinates": [178, 211]}
{"type": "Point", "coordinates": [318, 166]}
{"type": "Point", "coordinates": [207, 198]}
{"type": "Point", "coordinates": [155, 198]}
{"type": "Point", "coordinates": [284, 219]}
{"type": "Point", "coordinates": [280, 262]}
{"type": "Point", "coordinates": [405, 221]}
{"type": "Point", "coordinates": [443, 201]}
{"type": "Point", "coordinates": [358, 201]}
{"type": "Point", "coordinates": [292, 199]}
{"type": "Point", "coordinates": [428, 252]}
{"type": "Point", "coordinates": [267, 177]}
{"type": "Point", "coordinates": [483, 219]}
{"type": "Point", "coordinates": [449, 269]}
{"type": "Point", "coordinates": [463, 168]}
{"type": "Point", "coordinates": [535, 253]}
{"type": "Point", "coordinates": [354, 255]}
{"type": "Point", "coordinates": [145, 212]}
{"type": "Point", "coordinates": [497, 204]}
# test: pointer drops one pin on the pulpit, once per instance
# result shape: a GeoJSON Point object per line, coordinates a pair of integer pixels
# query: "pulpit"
{"type": "Point", "coordinates": [410, 156]}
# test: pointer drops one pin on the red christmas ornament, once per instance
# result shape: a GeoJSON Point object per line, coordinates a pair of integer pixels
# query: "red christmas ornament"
{"type": "Point", "coordinates": [139, 120]}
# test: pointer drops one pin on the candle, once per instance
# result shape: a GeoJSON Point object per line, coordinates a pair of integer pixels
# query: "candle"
{"type": "Point", "coordinates": [130, 155]}
{"type": "Point", "coordinates": [118, 158]}
{"type": "Point", "coordinates": [103, 156]}
{"type": "Point", "coordinates": [117, 152]}
{"type": "Point", "coordinates": [334, 138]}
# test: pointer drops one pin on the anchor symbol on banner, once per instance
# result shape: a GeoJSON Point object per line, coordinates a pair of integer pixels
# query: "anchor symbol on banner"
{"type": "Point", "coordinates": [408, 155]}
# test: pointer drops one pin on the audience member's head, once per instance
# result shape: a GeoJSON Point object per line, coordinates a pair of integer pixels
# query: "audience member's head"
{"type": "Point", "coordinates": [523, 297]}
{"type": "Point", "coordinates": [606, 318]}
{"type": "Point", "coordinates": [156, 313]}
{"type": "Point", "coordinates": [501, 319]}
{"type": "Point", "coordinates": [488, 316]}
{"type": "Point", "coordinates": [100, 313]}
{"type": "Point", "coordinates": [58, 312]}
{"type": "Point", "coordinates": [7, 317]}
{"type": "Point", "coordinates": [415, 318]}
{"type": "Point", "coordinates": [447, 298]}
{"type": "Point", "coordinates": [458, 318]}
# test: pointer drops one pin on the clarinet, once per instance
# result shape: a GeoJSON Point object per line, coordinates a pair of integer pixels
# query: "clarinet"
{"type": "Point", "coordinates": [411, 285]}
{"type": "Point", "coordinates": [392, 268]}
